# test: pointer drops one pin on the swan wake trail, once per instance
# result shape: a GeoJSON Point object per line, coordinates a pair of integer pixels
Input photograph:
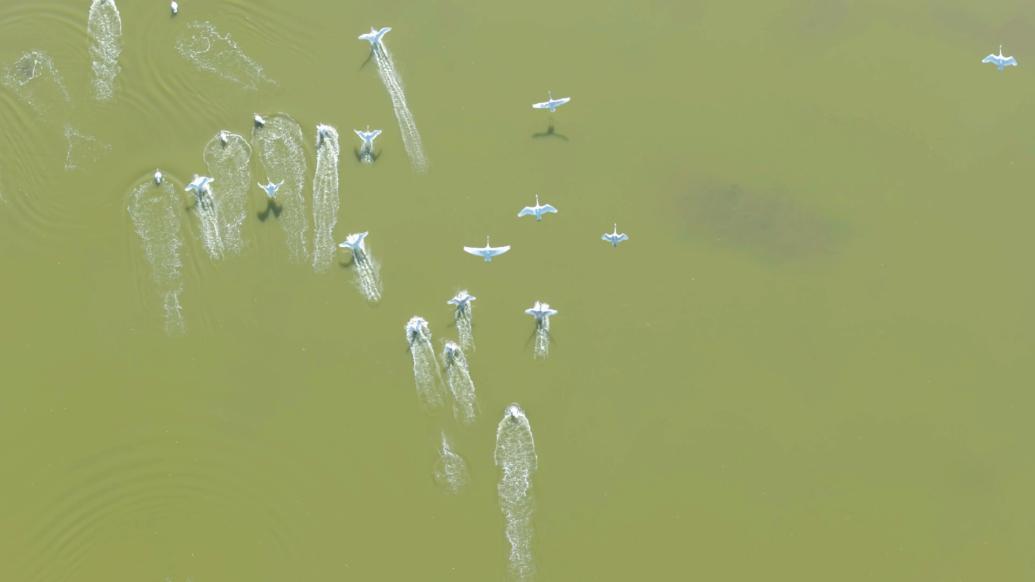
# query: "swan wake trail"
{"type": "Point", "coordinates": [542, 338]}
{"type": "Point", "coordinates": [426, 373]}
{"type": "Point", "coordinates": [326, 199]}
{"type": "Point", "coordinates": [82, 149]}
{"type": "Point", "coordinates": [461, 386]}
{"type": "Point", "coordinates": [451, 472]}
{"type": "Point", "coordinates": [281, 151]}
{"type": "Point", "coordinates": [368, 276]}
{"type": "Point", "coordinates": [516, 457]}
{"type": "Point", "coordinates": [465, 327]}
{"type": "Point", "coordinates": [35, 79]}
{"type": "Point", "coordinates": [154, 211]}
{"type": "Point", "coordinates": [104, 25]}
{"type": "Point", "coordinates": [230, 166]}
{"type": "Point", "coordinates": [216, 53]}
{"type": "Point", "coordinates": [407, 125]}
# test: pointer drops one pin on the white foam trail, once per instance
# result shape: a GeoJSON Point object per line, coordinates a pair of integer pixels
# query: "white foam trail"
{"type": "Point", "coordinates": [450, 469]}
{"type": "Point", "coordinates": [426, 372]}
{"type": "Point", "coordinates": [104, 26]}
{"type": "Point", "coordinates": [368, 275]}
{"type": "Point", "coordinates": [326, 200]}
{"type": "Point", "coordinates": [155, 213]}
{"type": "Point", "coordinates": [203, 45]}
{"type": "Point", "coordinates": [407, 125]}
{"type": "Point", "coordinates": [464, 318]}
{"type": "Point", "coordinates": [542, 338]}
{"type": "Point", "coordinates": [461, 386]}
{"type": "Point", "coordinates": [282, 154]}
{"type": "Point", "coordinates": [82, 149]}
{"type": "Point", "coordinates": [230, 166]}
{"type": "Point", "coordinates": [34, 78]}
{"type": "Point", "coordinates": [515, 456]}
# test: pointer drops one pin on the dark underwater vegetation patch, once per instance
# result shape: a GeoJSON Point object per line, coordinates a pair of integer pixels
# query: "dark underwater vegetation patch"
{"type": "Point", "coordinates": [766, 224]}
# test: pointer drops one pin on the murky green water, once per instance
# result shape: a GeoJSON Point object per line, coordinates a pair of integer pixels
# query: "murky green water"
{"type": "Point", "coordinates": [812, 360]}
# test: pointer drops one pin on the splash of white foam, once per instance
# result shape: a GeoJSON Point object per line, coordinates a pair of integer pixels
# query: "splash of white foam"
{"type": "Point", "coordinates": [407, 125]}
{"type": "Point", "coordinates": [426, 372]}
{"type": "Point", "coordinates": [461, 386]}
{"type": "Point", "coordinates": [104, 26]}
{"type": "Point", "coordinates": [516, 457]}
{"type": "Point", "coordinates": [450, 469]}
{"type": "Point", "coordinates": [230, 166]}
{"type": "Point", "coordinates": [281, 151]}
{"type": "Point", "coordinates": [326, 200]}
{"type": "Point", "coordinates": [216, 53]}
{"type": "Point", "coordinates": [154, 211]}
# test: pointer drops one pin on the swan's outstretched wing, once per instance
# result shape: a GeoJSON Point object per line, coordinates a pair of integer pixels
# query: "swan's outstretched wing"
{"type": "Point", "coordinates": [622, 237]}
{"type": "Point", "coordinates": [990, 59]}
{"type": "Point", "coordinates": [543, 105]}
{"type": "Point", "coordinates": [497, 251]}
{"type": "Point", "coordinates": [476, 251]}
{"type": "Point", "coordinates": [1009, 62]}
{"type": "Point", "coordinates": [374, 134]}
{"type": "Point", "coordinates": [561, 101]}
{"type": "Point", "coordinates": [526, 211]}
{"type": "Point", "coordinates": [549, 208]}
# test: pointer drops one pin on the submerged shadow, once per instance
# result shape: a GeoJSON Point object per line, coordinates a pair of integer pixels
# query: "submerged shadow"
{"type": "Point", "coordinates": [551, 131]}
{"type": "Point", "coordinates": [272, 208]}
{"type": "Point", "coordinates": [362, 155]}
{"type": "Point", "coordinates": [349, 264]}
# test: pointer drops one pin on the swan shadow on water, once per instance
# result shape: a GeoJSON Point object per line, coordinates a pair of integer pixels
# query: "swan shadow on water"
{"type": "Point", "coordinates": [535, 332]}
{"type": "Point", "coordinates": [551, 131]}
{"type": "Point", "coordinates": [362, 155]}
{"type": "Point", "coordinates": [271, 208]}
{"type": "Point", "coordinates": [370, 57]}
{"type": "Point", "coordinates": [200, 202]}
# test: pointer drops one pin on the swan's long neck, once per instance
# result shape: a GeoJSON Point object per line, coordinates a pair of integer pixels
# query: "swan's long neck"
{"type": "Point", "coordinates": [537, 200]}
{"type": "Point", "coordinates": [486, 242]}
